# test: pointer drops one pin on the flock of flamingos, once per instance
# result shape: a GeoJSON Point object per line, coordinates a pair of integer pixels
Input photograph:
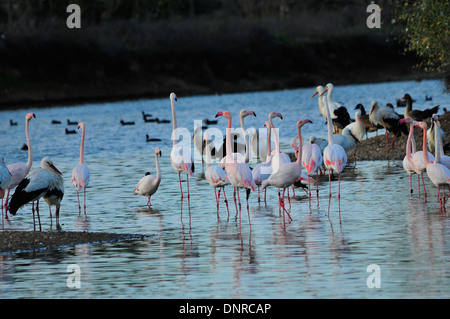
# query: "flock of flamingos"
{"type": "Point", "coordinates": [274, 168]}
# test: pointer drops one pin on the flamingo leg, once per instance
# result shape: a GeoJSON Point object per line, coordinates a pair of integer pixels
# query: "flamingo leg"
{"type": "Point", "coordinates": [424, 190]}
{"type": "Point", "coordinates": [6, 203]}
{"type": "Point", "coordinates": [418, 184]}
{"type": "Point", "coordinates": [181, 197]}
{"type": "Point", "coordinates": [329, 183]}
{"type": "Point", "coordinates": [226, 201]}
{"type": "Point", "coordinates": [259, 197]}
{"type": "Point", "coordinates": [85, 201]}
{"type": "Point", "coordinates": [188, 196]}
{"type": "Point", "coordinates": [235, 202]}
{"type": "Point", "coordinates": [309, 188]}
{"type": "Point", "coordinates": [217, 203]}
{"type": "Point", "coordinates": [339, 186]}
{"type": "Point", "coordinates": [3, 221]}
{"type": "Point", "coordinates": [248, 210]}
{"type": "Point", "coordinates": [239, 199]}
{"type": "Point", "coordinates": [317, 188]}
{"type": "Point", "coordinates": [410, 184]}
{"type": "Point", "coordinates": [79, 205]}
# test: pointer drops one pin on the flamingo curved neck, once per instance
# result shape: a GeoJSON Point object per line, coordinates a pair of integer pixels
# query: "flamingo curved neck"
{"type": "Point", "coordinates": [277, 143]}
{"type": "Point", "coordinates": [330, 127]}
{"type": "Point", "coordinates": [299, 158]}
{"type": "Point", "coordinates": [82, 147]}
{"type": "Point", "coordinates": [174, 119]}
{"type": "Point", "coordinates": [424, 145]}
{"type": "Point", "coordinates": [208, 154]}
{"type": "Point", "coordinates": [158, 171]}
{"type": "Point", "coordinates": [437, 143]}
{"type": "Point", "coordinates": [408, 143]}
{"type": "Point", "coordinates": [228, 145]}
{"type": "Point", "coordinates": [247, 155]}
{"type": "Point", "coordinates": [30, 152]}
{"type": "Point", "coordinates": [269, 132]}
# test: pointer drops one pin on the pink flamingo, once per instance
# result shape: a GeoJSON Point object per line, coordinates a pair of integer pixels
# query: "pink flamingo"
{"type": "Point", "coordinates": [148, 185]}
{"type": "Point", "coordinates": [312, 159]}
{"type": "Point", "coordinates": [20, 170]}
{"type": "Point", "coordinates": [238, 172]}
{"type": "Point", "coordinates": [437, 173]}
{"type": "Point", "coordinates": [333, 155]}
{"type": "Point", "coordinates": [408, 164]}
{"type": "Point", "coordinates": [180, 157]}
{"type": "Point", "coordinates": [263, 170]}
{"type": "Point", "coordinates": [287, 174]}
{"type": "Point", "coordinates": [80, 173]}
{"type": "Point", "coordinates": [216, 176]}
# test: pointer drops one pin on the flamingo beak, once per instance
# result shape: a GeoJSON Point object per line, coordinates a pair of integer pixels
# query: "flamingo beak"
{"type": "Point", "coordinates": [160, 154]}
{"type": "Point", "coordinates": [219, 114]}
{"type": "Point", "coordinates": [56, 170]}
{"type": "Point", "coordinates": [280, 116]}
{"type": "Point", "coordinates": [308, 121]}
{"type": "Point", "coordinates": [251, 113]}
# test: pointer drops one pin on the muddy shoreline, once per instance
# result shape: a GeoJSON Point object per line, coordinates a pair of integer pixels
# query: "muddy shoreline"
{"type": "Point", "coordinates": [16, 241]}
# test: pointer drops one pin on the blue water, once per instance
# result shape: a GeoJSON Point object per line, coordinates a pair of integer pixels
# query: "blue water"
{"type": "Point", "coordinates": [319, 254]}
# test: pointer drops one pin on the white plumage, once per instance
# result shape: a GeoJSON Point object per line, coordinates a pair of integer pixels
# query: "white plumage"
{"type": "Point", "coordinates": [149, 184]}
{"type": "Point", "coordinates": [36, 184]}
{"type": "Point", "coordinates": [20, 170]}
{"type": "Point", "coordinates": [80, 173]}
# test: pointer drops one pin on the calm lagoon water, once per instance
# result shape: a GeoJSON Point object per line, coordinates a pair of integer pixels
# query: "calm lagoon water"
{"type": "Point", "coordinates": [317, 255]}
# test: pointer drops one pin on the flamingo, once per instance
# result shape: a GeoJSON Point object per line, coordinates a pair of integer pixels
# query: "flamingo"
{"type": "Point", "coordinates": [287, 174]}
{"type": "Point", "coordinates": [34, 186]}
{"type": "Point", "coordinates": [148, 185]}
{"type": "Point", "coordinates": [238, 172]}
{"type": "Point", "coordinates": [180, 156]}
{"type": "Point", "coordinates": [246, 157]}
{"type": "Point", "coordinates": [386, 117]}
{"type": "Point", "coordinates": [277, 156]}
{"type": "Point", "coordinates": [443, 159]}
{"type": "Point", "coordinates": [437, 173]}
{"type": "Point", "coordinates": [419, 164]}
{"type": "Point", "coordinates": [334, 156]}
{"type": "Point", "coordinates": [20, 170]}
{"type": "Point", "coordinates": [312, 159]}
{"type": "Point", "coordinates": [80, 173]}
{"type": "Point", "coordinates": [263, 170]}
{"type": "Point", "coordinates": [5, 179]}
{"type": "Point", "coordinates": [408, 164]}
{"type": "Point", "coordinates": [430, 135]}
{"type": "Point", "coordinates": [216, 176]}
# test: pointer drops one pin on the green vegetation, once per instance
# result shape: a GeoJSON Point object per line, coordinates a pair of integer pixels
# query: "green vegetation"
{"type": "Point", "coordinates": [425, 29]}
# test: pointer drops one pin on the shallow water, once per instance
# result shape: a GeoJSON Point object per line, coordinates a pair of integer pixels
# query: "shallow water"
{"type": "Point", "coordinates": [317, 255]}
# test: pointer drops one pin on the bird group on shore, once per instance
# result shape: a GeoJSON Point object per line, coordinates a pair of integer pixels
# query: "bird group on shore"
{"type": "Point", "coordinates": [275, 169]}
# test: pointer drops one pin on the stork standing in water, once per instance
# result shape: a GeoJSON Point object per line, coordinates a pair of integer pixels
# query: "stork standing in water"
{"type": "Point", "coordinates": [148, 185]}
{"type": "Point", "coordinates": [34, 186]}
{"type": "Point", "coordinates": [20, 170]}
{"type": "Point", "coordinates": [80, 173]}
{"type": "Point", "coordinates": [180, 157]}
{"type": "Point", "coordinates": [5, 179]}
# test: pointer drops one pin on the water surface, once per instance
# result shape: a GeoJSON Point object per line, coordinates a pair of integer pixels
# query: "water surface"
{"type": "Point", "coordinates": [319, 254]}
